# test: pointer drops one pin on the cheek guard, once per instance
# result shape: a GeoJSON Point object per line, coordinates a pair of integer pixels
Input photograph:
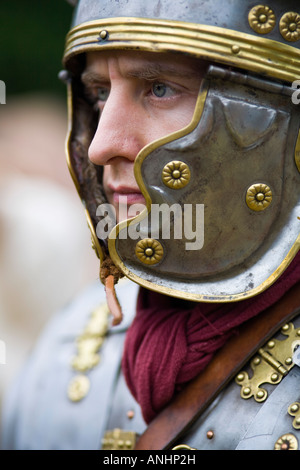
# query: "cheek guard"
{"type": "Point", "coordinates": [232, 208]}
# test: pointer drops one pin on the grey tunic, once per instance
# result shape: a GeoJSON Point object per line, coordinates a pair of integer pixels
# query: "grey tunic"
{"type": "Point", "coordinates": [37, 413]}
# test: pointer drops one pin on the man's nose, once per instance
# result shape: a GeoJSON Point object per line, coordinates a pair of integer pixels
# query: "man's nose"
{"type": "Point", "coordinates": [119, 132]}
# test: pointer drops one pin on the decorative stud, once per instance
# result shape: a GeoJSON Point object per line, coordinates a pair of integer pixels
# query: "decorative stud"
{"type": "Point", "coordinates": [294, 410]}
{"type": "Point", "coordinates": [260, 395]}
{"type": "Point", "coordinates": [286, 442]}
{"type": "Point", "coordinates": [240, 377]}
{"type": "Point", "coordinates": [210, 434]}
{"type": "Point", "coordinates": [78, 387]}
{"type": "Point", "coordinates": [117, 439]}
{"type": "Point", "coordinates": [87, 357]}
{"type": "Point", "coordinates": [89, 343]}
{"type": "Point", "coordinates": [149, 251]}
{"type": "Point", "coordinates": [258, 197]}
{"type": "Point", "coordinates": [261, 19]}
{"type": "Point", "coordinates": [289, 26]}
{"type": "Point", "coordinates": [247, 391]}
{"type": "Point", "coordinates": [176, 174]}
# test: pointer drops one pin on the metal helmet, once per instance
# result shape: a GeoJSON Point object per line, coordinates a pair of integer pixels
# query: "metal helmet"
{"type": "Point", "coordinates": [237, 163]}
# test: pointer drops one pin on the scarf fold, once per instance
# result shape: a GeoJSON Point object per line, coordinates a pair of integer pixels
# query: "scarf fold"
{"type": "Point", "coordinates": [171, 341]}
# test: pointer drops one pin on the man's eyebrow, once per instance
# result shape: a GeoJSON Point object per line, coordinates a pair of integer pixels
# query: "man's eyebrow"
{"type": "Point", "coordinates": [156, 70]}
{"type": "Point", "coordinates": [89, 77]}
{"type": "Point", "coordinates": [151, 71]}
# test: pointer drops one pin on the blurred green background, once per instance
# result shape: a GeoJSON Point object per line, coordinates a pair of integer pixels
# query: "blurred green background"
{"type": "Point", "coordinates": [32, 37]}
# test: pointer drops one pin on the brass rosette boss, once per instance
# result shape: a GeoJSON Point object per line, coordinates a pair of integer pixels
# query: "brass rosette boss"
{"type": "Point", "coordinates": [258, 197]}
{"type": "Point", "coordinates": [149, 251]}
{"type": "Point", "coordinates": [176, 174]}
{"type": "Point", "coordinates": [289, 26]}
{"type": "Point", "coordinates": [261, 19]}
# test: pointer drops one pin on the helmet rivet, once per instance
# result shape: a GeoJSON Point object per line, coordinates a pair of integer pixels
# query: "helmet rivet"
{"type": "Point", "coordinates": [103, 34]}
{"type": "Point", "coordinates": [235, 49]}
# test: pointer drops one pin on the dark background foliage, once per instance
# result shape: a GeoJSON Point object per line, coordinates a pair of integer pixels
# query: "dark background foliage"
{"type": "Point", "coordinates": [32, 37]}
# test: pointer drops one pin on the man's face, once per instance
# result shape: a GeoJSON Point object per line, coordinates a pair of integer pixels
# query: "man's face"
{"type": "Point", "coordinates": [141, 97]}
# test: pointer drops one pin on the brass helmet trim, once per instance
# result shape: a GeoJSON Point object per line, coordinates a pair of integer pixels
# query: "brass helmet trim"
{"type": "Point", "coordinates": [205, 298]}
{"type": "Point", "coordinates": [256, 54]}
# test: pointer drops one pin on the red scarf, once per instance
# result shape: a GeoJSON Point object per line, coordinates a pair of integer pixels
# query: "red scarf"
{"type": "Point", "coordinates": [171, 341]}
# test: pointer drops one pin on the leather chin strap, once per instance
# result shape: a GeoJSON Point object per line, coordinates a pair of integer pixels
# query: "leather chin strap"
{"type": "Point", "coordinates": [187, 407]}
{"type": "Point", "coordinates": [109, 276]}
{"type": "Point", "coordinates": [112, 300]}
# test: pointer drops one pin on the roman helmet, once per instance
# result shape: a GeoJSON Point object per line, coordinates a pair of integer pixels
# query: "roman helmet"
{"type": "Point", "coordinates": [231, 177]}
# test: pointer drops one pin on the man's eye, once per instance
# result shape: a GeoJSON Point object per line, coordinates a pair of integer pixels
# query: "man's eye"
{"type": "Point", "coordinates": [159, 89]}
{"type": "Point", "coordinates": [102, 94]}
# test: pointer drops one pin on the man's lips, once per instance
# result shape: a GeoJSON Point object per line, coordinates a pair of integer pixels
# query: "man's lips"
{"type": "Point", "coordinates": [128, 198]}
{"type": "Point", "coordinates": [126, 195]}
